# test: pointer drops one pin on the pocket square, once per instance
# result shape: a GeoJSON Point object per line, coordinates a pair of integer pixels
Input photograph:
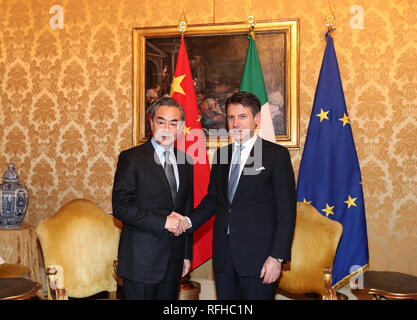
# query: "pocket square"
{"type": "Point", "coordinates": [260, 169]}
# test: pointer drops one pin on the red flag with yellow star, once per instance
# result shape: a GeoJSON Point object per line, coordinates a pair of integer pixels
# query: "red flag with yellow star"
{"type": "Point", "coordinates": [192, 141]}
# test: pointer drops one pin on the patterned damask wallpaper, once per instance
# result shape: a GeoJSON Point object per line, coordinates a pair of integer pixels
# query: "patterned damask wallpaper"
{"type": "Point", "coordinates": [66, 97]}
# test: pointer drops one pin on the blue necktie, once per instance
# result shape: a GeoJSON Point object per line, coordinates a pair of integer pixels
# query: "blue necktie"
{"type": "Point", "coordinates": [234, 178]}
{"type": "Point", "coordinates": [234, 173]}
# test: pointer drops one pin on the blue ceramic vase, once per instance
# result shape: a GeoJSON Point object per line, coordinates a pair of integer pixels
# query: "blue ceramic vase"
{"type": "Point", "coordinates": [13, 200]}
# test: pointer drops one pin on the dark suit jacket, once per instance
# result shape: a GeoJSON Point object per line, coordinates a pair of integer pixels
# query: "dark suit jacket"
{"type": "Point", "coordinates": [142, 201]}
{"type": "Point", "coordinates": [261, 215]}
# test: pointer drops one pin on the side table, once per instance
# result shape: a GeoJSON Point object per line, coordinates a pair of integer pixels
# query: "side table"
{"type": "Point", "coordinates": [20, 246]}
{"type": "Point", "coordinates": [18, 289]}
{"type": "Point", "coordinates": [387, 285]}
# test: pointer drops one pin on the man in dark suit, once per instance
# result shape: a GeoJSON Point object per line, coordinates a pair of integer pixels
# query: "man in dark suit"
{"type": "Point", "coordinates": [151, 182]}
{"type": "Point", "coordinates": [252, 194]}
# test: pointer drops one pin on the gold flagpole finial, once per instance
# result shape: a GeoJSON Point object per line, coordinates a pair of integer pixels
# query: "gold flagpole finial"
{"type": "Point", "coordinates": [330, 19]}
{"type": "Point", "coordinates": [250, 20]}
{"type": "Point", "coordinates": [182, 23]}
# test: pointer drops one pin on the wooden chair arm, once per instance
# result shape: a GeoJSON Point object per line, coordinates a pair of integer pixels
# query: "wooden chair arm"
{"type": "Point", "coordinates": [56, 283]}
{"type": "Point", "coordinates": [118, 279]}
{"type": "Point", "coordinates": [329, 292]}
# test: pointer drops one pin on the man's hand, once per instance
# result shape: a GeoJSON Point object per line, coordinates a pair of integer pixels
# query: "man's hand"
{"type": "Point", "coordinates": [186, 268]}
{"type": "Point", "coordinates": [271, 270]}
{"type": "Point", "coordinates": [185, 223]}
{"type": "Point", "coordinates": [174, 223]}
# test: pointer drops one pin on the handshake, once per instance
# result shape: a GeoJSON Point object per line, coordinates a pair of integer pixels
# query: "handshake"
{"type": "Point", "coordinates": [177, 224]}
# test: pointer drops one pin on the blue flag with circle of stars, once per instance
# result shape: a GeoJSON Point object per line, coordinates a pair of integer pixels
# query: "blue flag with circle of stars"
{"type": "Point", "coordinates": [329, 173]}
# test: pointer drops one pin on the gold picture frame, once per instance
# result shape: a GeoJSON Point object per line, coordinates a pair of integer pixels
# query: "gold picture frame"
{"type": "Point", "coordinates": [154, 57]}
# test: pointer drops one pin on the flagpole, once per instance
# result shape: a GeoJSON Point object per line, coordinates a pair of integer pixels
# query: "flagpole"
{"type": "Point", "coordinates": [183, 91]}
{"type": "Point", "coordinates": [330, 18]}
{"type": "Point", "coordinates": [185, 283]}
{"type": "Point", "coordinates": [321, 185]}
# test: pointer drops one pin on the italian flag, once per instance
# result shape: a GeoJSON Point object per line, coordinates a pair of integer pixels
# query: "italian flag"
{"type": "Point", "coordinates": [253, 81]}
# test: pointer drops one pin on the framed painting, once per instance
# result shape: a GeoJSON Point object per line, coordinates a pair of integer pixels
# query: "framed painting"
{"type": "Point", "coordinates": [217, 55]}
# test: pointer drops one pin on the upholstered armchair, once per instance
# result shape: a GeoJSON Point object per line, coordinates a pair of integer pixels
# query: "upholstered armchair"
{"type": "Point", "coordinates": [79, 244]}
{"type": "Point", "coordinates": [313, 249]}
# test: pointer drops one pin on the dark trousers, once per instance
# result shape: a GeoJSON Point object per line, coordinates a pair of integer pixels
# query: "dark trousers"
{"type": "Point", "coordinates": [231, 286]}
{"type": "Point", "coordinates": [167, 289]}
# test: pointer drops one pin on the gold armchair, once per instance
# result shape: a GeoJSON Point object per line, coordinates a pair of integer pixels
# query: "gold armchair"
{"type": "Point", "coordinates": [313, 249]}
{"type": "Point", "coordinates": [79, 244]}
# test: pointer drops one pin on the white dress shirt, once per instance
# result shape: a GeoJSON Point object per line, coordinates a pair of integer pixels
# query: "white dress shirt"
{"type": "Point", "coordinates": [244, 154]}
{"type": "Point", "coordinates": [160, 153]}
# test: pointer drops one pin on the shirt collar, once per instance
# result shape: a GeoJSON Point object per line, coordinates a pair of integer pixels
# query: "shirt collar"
{"type": "Point", "coordinates": [248, 144]}
{"type": "Point", "coordinates": [160, 149]}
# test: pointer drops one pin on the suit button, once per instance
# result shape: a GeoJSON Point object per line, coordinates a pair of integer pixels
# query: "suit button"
{"type": "Point", "coordinates": [230, 210]}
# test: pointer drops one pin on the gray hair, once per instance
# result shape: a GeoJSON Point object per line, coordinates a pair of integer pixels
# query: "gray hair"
{"type": "Point", "coordinates": [170, 102]}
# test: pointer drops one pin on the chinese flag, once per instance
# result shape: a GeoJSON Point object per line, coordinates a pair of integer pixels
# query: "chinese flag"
{"type": "Point", "coordinates": [192, 141]}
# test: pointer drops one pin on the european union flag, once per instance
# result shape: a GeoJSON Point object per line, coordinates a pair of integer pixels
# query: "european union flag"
{"type": "Point", "coordinates": [329, 175]}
